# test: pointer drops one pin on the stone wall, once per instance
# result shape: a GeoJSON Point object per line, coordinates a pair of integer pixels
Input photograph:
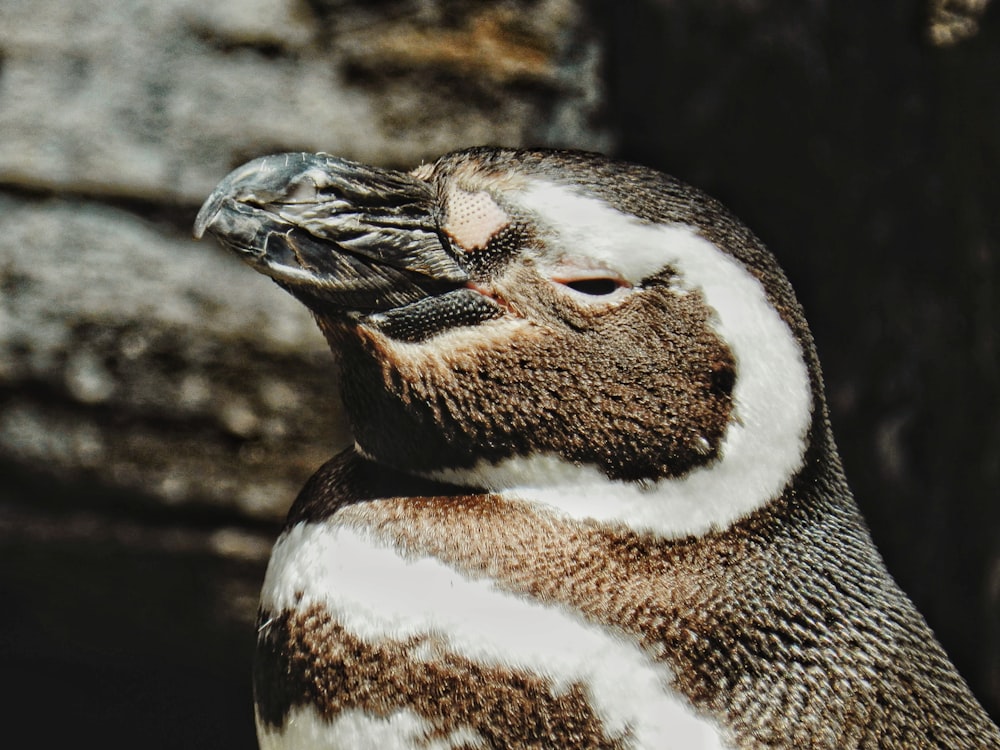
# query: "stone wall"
{"type": "Point", "coordinates": [160, 404]}
{"type": "Point", "coordinates": [119, 118]}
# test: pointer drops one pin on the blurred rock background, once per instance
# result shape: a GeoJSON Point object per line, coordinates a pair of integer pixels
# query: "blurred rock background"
{"type": "Point", "coordinates": [160, 404]}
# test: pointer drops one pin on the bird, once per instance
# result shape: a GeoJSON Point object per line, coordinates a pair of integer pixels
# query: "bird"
{"type": "Point", "coordinates": [594, 499]}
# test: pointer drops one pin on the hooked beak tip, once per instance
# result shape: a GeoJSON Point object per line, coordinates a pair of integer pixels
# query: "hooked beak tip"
{"type": "Point", "coordinates": [207, 214]}
{"type": "Point", "coordinates": [265, 175]}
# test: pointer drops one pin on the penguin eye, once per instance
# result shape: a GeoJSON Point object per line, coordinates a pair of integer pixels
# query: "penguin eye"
{"type": "Point", "coordinates": [594, 286]}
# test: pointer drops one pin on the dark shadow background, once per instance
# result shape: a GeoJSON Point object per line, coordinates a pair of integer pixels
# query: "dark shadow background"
{"type": "Point", "coordinates": [121, 625]}
{"type": "Point", "coordinates": [869, 161]}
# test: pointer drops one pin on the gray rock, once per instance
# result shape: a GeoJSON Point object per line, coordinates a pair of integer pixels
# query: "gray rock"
{"type": "Point", "coordinates": [145, 361]}
{"type": "Point", "coordinates": [160, 404]}
{"type": "Point", "coordinates": [140, 360]}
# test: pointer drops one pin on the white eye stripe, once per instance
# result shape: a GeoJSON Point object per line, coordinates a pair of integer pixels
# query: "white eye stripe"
{"type": "Point", "coordinates": [580, 226]}
{"type": "Point", "coordinates": [764, 445]}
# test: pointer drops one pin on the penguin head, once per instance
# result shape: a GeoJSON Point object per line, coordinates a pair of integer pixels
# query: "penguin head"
{"type": "Point", "coordinates": [506, 318]}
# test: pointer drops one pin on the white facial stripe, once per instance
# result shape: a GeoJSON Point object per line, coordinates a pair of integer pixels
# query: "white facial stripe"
{"type": "Point", "coordinates": [401, 730]}
{"type": "Point", "coordinates": [765, 443]}
{"type": "Point", "coordinates": [584, 226]}
{"type": "Point", "coordinates": [451, 348]}
{"type": "Point", "coordinates": [377, 594]}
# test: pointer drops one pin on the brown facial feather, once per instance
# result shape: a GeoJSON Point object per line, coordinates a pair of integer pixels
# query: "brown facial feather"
{"type": "Point", "coordinates": [656, 404]}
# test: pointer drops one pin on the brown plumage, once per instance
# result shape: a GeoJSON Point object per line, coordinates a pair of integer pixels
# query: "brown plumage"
{"type": "Point", "coordinates": [664, 404]}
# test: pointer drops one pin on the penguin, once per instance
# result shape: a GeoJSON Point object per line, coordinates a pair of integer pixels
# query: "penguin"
{"type": "Point", "coordinates": [594, 499]}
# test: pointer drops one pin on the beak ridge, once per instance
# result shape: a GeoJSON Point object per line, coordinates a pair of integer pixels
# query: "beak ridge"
{"type": "Point", "coordinates": [357, 237]}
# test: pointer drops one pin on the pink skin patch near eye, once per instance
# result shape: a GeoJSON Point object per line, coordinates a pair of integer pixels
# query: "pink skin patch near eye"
{"type": "Point", "coordinates": [473, 218]}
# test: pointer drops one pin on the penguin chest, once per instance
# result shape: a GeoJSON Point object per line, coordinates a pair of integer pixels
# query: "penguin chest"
{"type": "Point", "coordinates": [373, 636]}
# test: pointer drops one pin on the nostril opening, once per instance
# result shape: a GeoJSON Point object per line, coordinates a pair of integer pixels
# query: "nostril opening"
{"type": "Point", "coordinates": [304, 190]}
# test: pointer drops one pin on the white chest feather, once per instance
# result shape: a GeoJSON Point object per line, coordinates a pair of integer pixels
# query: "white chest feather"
{"type": "Point", "coordinates": [378, 596]}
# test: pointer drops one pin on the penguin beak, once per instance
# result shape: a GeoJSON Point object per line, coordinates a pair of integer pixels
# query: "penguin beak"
{"type": "Point", "coordinates": [347, 239]}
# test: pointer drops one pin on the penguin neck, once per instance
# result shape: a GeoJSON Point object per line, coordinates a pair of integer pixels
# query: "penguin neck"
{"type": "Point", "coordinates": [802, 567]}
{"type": "Point", "coordinates": [765, 452]}
{"type": "Point", "coordinates": [776, 407]}
{"type": "Point", "coordinates": [777, 428]}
